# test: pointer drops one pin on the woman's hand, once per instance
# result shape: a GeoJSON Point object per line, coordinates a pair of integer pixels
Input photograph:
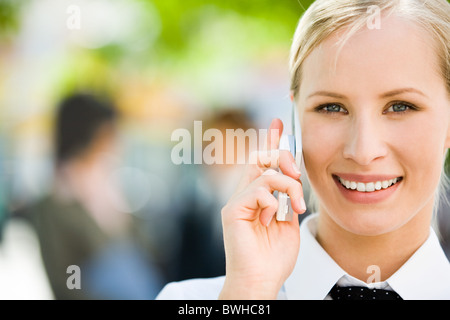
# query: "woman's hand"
{"type": "Point", "coordinates": [260, 251]}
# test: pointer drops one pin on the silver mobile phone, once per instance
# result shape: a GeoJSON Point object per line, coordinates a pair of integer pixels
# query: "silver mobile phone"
{"type": "Point", "coordinates": [293, 143]}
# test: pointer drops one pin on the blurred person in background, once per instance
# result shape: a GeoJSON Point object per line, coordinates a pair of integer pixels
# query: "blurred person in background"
{"type": "Point", "coordinates": [79, 226]}
{"type": "Point", "coordinates": [206, 189]}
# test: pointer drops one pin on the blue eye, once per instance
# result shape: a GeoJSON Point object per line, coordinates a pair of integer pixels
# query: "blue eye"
{"type": "Point", "coordinates": [400, 107]}
{"type": "Point", "coordinates": [331, 108]}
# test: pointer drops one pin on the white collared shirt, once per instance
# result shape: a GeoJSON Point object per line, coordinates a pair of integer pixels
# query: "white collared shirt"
{"type": "Point", "coordinates": [426, 274]}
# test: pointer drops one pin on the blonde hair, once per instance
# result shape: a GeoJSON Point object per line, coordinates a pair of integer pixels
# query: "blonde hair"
{"type": "Point", "coordinates": [325, 17]}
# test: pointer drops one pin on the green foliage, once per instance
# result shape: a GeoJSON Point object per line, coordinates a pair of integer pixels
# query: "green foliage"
{"type": "Point", "coordinates": [174, 37]}
{"type": "Point", "coordinates": [9, 23]}
{"type": "Point", "coordinates": [182, 20]}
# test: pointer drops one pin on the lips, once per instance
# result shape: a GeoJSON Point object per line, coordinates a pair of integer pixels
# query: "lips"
{"type": "Point", "coordinates": [369, 186]}
{"type": "Point", "coordinates": [367, 189]}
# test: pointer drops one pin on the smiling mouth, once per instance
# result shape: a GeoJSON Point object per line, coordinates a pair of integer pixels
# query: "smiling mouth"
{"type": "Point", "coordinates": [368, 186]}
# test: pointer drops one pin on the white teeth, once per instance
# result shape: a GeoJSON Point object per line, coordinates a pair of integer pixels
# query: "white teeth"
{"type": "Point", "coordinates": [361, 187]}
{"type": "Point", "coordinates": [368, 187]}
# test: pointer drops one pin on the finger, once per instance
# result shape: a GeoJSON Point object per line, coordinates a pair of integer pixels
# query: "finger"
{"type": "Point", "coordinates": [274, 159]}
{"type": "Point", "coordinates": [265, 159]}
{"type": "Point", "coordinates": [268, 204]}
{"type": "Point", "coordinates": [256, 199]}
{"type": "Point", "coordinates": [273, 180]}
{"type": "Point", "coordinates": [274, 134]}
{"type": "Point", "coordinates": [286, 163]}
{"type": "Point", "coordinates": [260, 160]}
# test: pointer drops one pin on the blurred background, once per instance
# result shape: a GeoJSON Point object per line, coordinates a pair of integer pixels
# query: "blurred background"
{"type": "Point", "coordinates": [161, 64]}
{"type": "Point", "coordinates": [116, 205]}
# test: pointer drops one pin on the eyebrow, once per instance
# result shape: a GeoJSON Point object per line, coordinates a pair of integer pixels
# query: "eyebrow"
{"type": "Point", "coordinates": [327, 94]}
{"type": "Point", "coordinates": [384, 95]}
{"type": "Point", "coordinates": [400, 91]}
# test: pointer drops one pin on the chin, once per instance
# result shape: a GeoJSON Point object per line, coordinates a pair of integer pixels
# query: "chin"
{"type": "Point", "coordinates": [368, 222]}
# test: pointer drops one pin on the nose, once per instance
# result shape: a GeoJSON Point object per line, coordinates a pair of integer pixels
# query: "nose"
{"type": "Point", "coordinates": [364, 143]}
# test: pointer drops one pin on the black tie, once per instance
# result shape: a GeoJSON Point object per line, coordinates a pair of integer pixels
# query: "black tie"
{"type": "Point", "coordinates": [362, 293]}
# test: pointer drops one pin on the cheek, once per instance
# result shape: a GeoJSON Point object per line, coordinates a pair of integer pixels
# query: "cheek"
{"type": "Point", "coordinates": [420, 148]}
{"type": "Point", "coordinates": [423, 137]}
{"type": "Point", "coordinates": [322, 143]}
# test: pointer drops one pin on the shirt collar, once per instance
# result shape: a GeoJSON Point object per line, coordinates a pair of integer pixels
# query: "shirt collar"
{"type": "Point", "coordinates": [426, 275]}
{"type": "Point", "coordinates": [315, 272]}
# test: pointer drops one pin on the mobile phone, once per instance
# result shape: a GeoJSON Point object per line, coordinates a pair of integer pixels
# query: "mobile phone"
{"type": "Point", "coordinates": [293, 143]}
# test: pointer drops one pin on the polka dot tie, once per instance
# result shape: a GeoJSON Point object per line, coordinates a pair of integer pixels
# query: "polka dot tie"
{"type": "Point", "coordinates": [362, 293]}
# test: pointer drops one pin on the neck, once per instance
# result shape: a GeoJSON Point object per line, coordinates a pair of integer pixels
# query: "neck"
{"type": "Point", "coordinates": [74, 178]}
{"type": "Point", "coordinates": [373, 258]}
{"type": "Point", "coordinates": [89, 182]}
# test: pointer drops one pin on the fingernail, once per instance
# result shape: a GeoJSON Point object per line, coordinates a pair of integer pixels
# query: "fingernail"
{"type": "Point", "coordinates": [302, 204]}
{"type": "Point", "coordinates": [296, 169]}
{"type": "Point", "coordinates": [268, 222]}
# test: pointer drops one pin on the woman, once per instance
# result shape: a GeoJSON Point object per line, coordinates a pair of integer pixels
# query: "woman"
{"type": "Point", "coordinates": [371, 82]}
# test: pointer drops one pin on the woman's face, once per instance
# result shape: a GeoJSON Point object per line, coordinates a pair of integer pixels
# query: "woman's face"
{"type": "Point", "coordinates": [377, 121]}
